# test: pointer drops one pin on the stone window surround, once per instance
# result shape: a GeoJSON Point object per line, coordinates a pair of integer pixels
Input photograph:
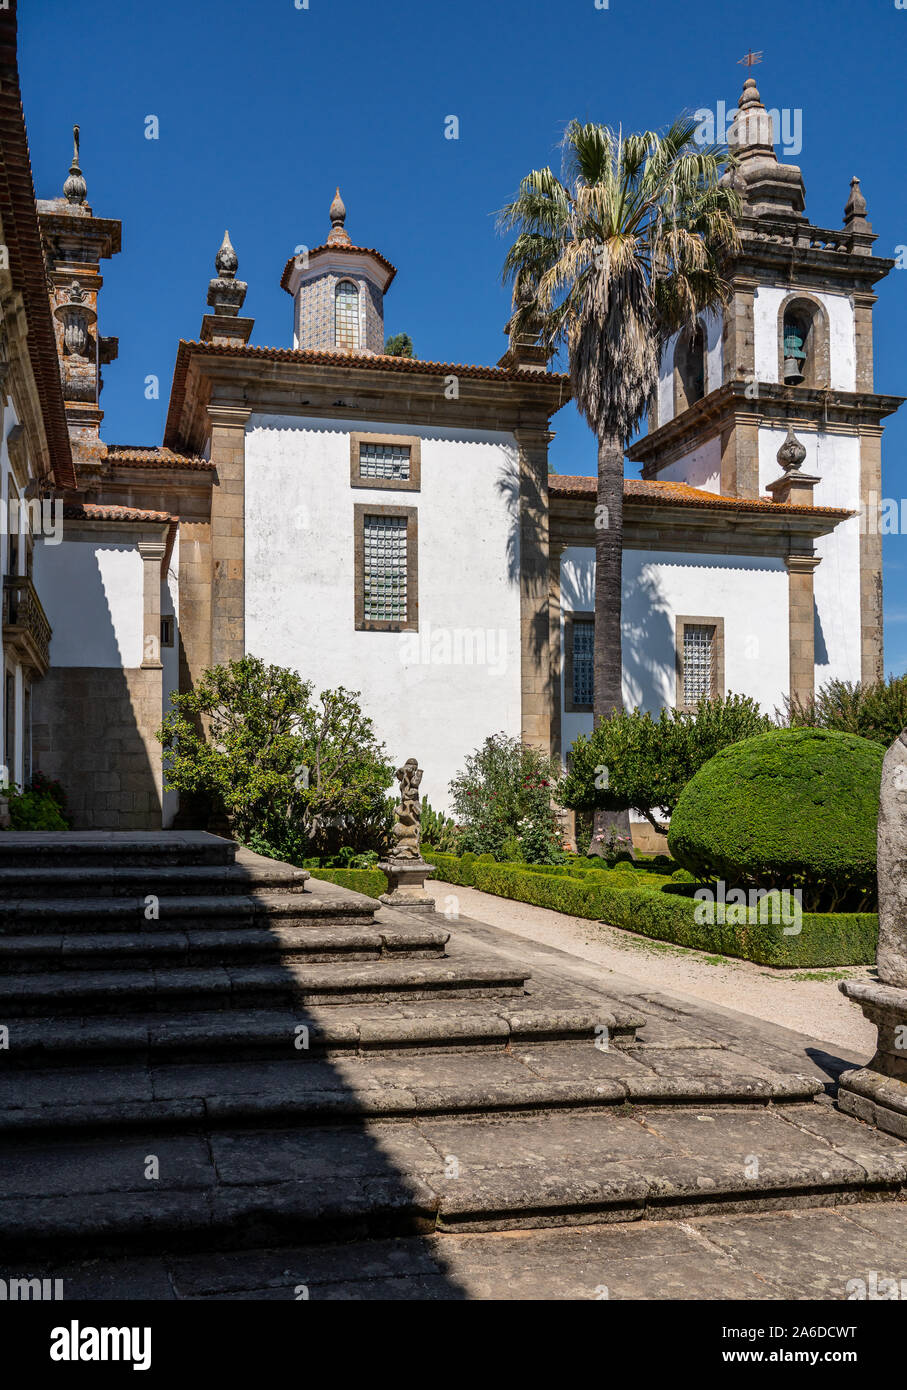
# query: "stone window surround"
{"type": "Point", "coordinates": [570, 617]}
{"type": "Point", "coordinates": [360, 511]}
{"type": "Point", "coordinates": [682, 621]}
{"type": "Point", "coordinates": [411, 441]}
{"type": "Point", "coordinates": [818, 374]}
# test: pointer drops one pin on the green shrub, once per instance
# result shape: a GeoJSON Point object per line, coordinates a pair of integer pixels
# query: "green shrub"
{"type": "Point", "coordinates": [295, 776]}
{"type": "Point", "coordinates": [682, 876]}
{"type": "Point", "coordinates": [35, 810]}
{"type": "Point", "coordinates": [505, 792]}
{"type": "Point", "coordinates": [634, 762]}
{"type": "Point", "coordinates": [439, 831]}
{"type": "Point", "coordinates": [371, 882]}
{"type": "Point", "coordinates": [791, 809]}
{"type": "Point", "coordinates": [876, 710]}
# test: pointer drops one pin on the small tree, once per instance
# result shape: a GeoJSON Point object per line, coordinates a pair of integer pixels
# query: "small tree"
{"type": "Point", "coordinates": [399, 345]}
{"type": "Point", "coordinates": [294, 776]}
{"type": "Point", "coordinates": [505, 793]}
{"type": "Point", "coordinates": [634, 762]}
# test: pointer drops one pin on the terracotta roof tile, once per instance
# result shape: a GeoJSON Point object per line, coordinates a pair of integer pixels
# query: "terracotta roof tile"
{"type": "Point", "coordinates": [96, 511]}
{"type": "Point", "coordinates": [26, 254]}
{"type": "Point", "coordinates": [680, 494]}
{"type": "Point", "coordinates": [155, 456]}
{"type": "Point", "coordinates": [358, 250]}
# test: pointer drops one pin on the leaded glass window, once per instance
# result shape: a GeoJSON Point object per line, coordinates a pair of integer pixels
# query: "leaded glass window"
{"type": "Point", "coordinates": [384, 569]}
{"type": "Point", "coordinates": [346, 315]}
{"type": "Point", "coordinates": [583, 653]}
{"type": "Point", "coordinates": [698, 640]}
{"type": "Point", "coordinates": [389, 461]}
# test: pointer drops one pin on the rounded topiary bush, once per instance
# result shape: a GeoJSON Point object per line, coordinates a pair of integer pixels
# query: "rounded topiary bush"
{"type": "Point", "coordinates": [793, 808]}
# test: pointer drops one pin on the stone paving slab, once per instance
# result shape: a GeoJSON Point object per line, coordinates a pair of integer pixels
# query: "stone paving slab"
{"type": "Point", "coordinates": [810, 1253]}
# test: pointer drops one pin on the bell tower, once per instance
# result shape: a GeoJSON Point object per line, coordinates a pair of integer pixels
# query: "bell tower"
{"type": "Point", "coordinates": [76, 242]}
{"type": "Point", "coordinates": [792, 351]}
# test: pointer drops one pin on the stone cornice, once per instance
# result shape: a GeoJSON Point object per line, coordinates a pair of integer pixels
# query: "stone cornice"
{"type": "Point", "coordinates": [305, 383]}
{"type": "Point", "coordinates": [842, 412]}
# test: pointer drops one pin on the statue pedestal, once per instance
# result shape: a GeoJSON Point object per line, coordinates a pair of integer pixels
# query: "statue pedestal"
{"type": "Point", "coordinates": [406, 883]}
{"type": "Point", "coordinates": [877, 1093]}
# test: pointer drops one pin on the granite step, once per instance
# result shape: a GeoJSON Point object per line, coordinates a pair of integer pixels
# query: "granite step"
{"type": "Point", "coordinates": [240, 1188]}
{"type": "Point", "coordinates": [93, 916]}
{"type": "Point", "coordinates": [175, 989]}
{"type": "Point", "coordinates": [307, 1088]}
{"type": "Point", "coordinates": [107, 848]}
{"type": "Point", "coordinates": [129, 880]}
{"type": "Point", "coordinates": [278, 943]}
{"type": "Point", "coordinates": [438, 1027]}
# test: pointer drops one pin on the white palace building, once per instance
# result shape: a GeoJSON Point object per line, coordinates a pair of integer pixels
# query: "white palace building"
{"type": "Point", "coordinates": [391, 524]}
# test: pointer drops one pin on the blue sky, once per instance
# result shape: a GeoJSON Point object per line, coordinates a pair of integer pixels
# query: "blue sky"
{"type": "Point", "coordinates": [264, 108]}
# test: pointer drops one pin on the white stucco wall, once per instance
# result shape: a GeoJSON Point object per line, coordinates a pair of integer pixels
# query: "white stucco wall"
{"type": "Point", "coordinates": [749, 593]}
{"type": "Point", "coordinates": [92, 595]}
{"type": "Point", "coordinates": [835, 459]}
{"type": "Point", "coordinates": [427, 699]}
{"type": "Point", "coordinates": [842, 343]}
{"type": "Point", "coordinates": [701, 468]}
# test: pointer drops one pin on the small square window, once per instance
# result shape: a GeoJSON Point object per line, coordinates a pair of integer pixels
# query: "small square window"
{"type": "Point", "coordinates": [700, 660]}
{"type": "Point", "coordinates": [385, 461]}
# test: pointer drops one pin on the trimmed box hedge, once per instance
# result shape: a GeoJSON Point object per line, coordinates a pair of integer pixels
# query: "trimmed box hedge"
{"type": "Point", "coordinates": [826, 938]}
{"type": "Point", "coordinates": [371, 882]}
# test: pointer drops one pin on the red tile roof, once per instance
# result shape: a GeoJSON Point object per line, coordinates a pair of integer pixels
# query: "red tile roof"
{"type": "Point", "coordinates": [679, 494]}
{"type": "Point", "coordinates": [96, 511]}
{"type": "Point", "coordinates": [27, 265]}
{"type": "Point", "coordinates": [344, 250]}
{"type": "Point", "coordinates": [154, 456]}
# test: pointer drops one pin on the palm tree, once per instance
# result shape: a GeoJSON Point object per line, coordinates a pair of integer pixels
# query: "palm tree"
{"type": "Point", "coordinates": [626, 249]}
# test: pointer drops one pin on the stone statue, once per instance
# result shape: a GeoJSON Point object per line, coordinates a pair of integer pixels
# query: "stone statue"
{"type": "Point", "coordinates": [878, 1093]}
{"type": "Point", "coordinates": [405, 868]}
{"type": "Point", "coordinates": [408, 810]}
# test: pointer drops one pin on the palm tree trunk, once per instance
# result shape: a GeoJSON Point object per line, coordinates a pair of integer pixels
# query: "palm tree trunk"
{"type": "Point", "coordinates": [608, 667]}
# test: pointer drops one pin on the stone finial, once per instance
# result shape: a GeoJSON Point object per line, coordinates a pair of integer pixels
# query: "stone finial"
{"type": "Point", "coordinates": [855, 210]}
{"type": "Point", "coordinates": [75, 189]}
{"type": "Point", "coordinates": [225, 292]}
{"type": "Point", "coordinates": [338, 235]}
{"type": "Point", "coordinates": [792, 453]}
{"type": "Point", "coordinates": [226, 262]}
{"type": "Point", "coordinates": [752, 128]}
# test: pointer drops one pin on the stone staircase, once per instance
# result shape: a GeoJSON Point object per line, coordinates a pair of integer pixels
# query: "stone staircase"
{"type": "Point", "coordinates": [208, 1050]}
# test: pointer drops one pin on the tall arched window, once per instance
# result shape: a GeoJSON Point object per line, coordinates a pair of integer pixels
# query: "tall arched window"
{"type": "Point", "coordinates": [346, 315]}
{"type": "Point", "coordinates": [689, 368]}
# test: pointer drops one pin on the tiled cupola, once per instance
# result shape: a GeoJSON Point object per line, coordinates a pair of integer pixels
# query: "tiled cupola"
{"type": "Point", "coordinates": [338, 292]}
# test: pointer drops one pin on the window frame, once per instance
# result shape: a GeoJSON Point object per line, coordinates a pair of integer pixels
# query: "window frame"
{"type": "Point", "coordinates": [412, 441]}
{"type": "Point", "coordinates": [571, 617]}
{"type": "Point", "coordinates": [681, 622]}
{"type": "Point", "coordinates": [411, 623]}
{"type": "Point", "coordinates": [338, 284]}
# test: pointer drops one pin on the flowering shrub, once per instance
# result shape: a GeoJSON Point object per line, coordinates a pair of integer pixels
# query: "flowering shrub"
{"type": "Point", "coordinates": [506, 793]}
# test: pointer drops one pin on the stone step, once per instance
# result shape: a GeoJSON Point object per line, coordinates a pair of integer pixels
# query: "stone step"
{"type": "Point", "coordinates": [175, 989]}
{"type": "Point", "coordinates": [103, 848]}
{"type": "Point", "coordinates": [314, 942]}
{"type": "Point", "coordinates": [309, 1088]}
{"type": "Point", "coordinates": [438, 1027]}
{"type": "Point", "coordinates": [65, 916]}
{"type": "Point", "coordinates": [20, 884]}
{"type": "Point", "coordinates": [246, 1188]}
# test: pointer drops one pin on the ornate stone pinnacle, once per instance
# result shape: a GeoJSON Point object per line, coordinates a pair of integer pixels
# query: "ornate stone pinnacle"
{"type": "Point", "coordinates": [855, 210]}
{"type": "Point", "coordinates": [225, 292]}
{"type": "Point", "coordinates": [792, 453]}
{"type": "Point", "coordinates": [75, 189]}
{"type": "Point", "coordinates": [338, 235]}
{"type": "Point", "coordinates": [226, 262]}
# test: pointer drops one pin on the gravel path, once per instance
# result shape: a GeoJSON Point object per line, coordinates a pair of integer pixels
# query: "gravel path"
{"type": "Point", "coordinates": [807, 1001]}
